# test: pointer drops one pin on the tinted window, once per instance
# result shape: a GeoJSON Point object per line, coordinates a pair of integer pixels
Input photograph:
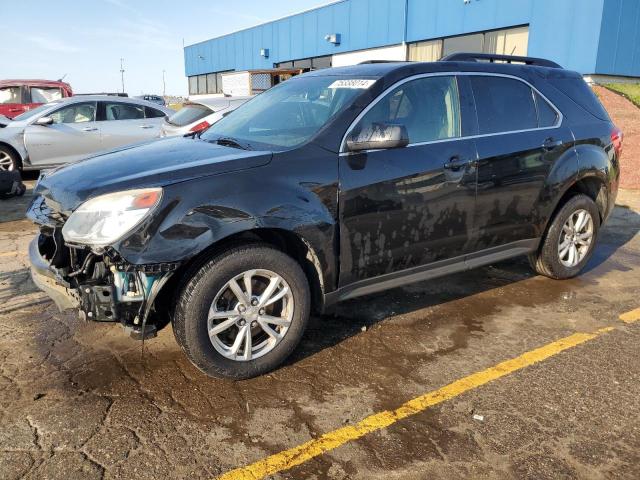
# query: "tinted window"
{"type": "Point", "coordinates": [503, 104]}
{"type": "Point", "coordinates": [10, 95]}
{"type": "Point", "coordinates": [189, 114]}
{"type": "Point", "coordinates": [123, 111]}
{"type": "Point", "coordinates": [428, 107]}
{"type": "Point", "coordinates": [153, 113]}
{"type": "Point", "coordinates": [578, 91]}
{"type": "Point", "coordinates": [76, 113]}
{"type": "Point", "coordinates": [547, 116]}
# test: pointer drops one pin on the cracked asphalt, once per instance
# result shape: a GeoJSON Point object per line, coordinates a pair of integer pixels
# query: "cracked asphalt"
{"type": "Point", "coordinates": [80, 400]}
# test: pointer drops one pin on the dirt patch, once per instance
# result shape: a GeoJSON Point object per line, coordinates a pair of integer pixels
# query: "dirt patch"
{"type": "Point", "coordinates": [627, 117]}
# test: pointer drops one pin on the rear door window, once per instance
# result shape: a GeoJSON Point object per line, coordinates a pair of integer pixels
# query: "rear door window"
{"type": "Point", "coordinates": [45, 94]}
{"type": "Point", "coordinates": [503, 104]}
{"type": "Point", "coordinates": [547, 116]}
{"type": "Point", "coordinates": [123, 111]}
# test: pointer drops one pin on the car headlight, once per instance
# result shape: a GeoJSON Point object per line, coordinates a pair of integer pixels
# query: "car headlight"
{"type": "Point", "coordinates": [107, 218]}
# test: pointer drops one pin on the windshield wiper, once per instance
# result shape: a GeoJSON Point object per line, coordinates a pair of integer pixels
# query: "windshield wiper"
{"type": "Point", "coordinates": [231, 142]}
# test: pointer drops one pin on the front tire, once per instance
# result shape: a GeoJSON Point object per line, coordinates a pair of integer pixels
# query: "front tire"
{"type": "Point", "coordinates": [570, 239]}
{"type": "Point", "coordinates": [8, 160]}
{"type": "Point", "coordinates": [243, 312]}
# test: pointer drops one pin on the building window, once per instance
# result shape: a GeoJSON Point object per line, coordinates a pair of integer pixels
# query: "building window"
{"type": "Point", "coordinates": [212, 84]}
{"type": "Point", "coordinates": [509, 41]}
{"type": "Point", "coordinates": [465, 43]}
{"type": "Point", "coordinates": [429, 51]}
{"type": "Point", "coordinates": [193, 85]}
{"type": "Point", "coordinates": [202, 84]}
{"type": "Point", "coordinates": [512, 41]}
{"type": "Point", "coordinates": [316, 63]}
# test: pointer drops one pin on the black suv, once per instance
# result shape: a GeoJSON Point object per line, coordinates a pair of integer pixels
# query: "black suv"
{"type": "Point", "coordinates": [332, 185]}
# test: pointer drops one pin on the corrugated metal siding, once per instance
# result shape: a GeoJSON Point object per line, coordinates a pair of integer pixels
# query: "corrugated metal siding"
{"type": "Point", "coordinates": [619, 51]}
{"type": "Point", "coordinates": [567, 31]}
{"type": "Point", "coordinates": [361, 23]}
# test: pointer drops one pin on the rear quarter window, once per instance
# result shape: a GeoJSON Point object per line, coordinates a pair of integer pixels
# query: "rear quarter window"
{"type": "Point", "coordinates": [578, 91]}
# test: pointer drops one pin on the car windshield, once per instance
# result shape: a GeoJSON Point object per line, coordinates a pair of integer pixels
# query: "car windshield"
{"type": "Point", "coordinates": [34, 111]}
{"type": "Point", "coordinates": [289, 114]}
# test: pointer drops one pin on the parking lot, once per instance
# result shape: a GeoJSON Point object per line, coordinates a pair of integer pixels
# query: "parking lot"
{"type": "Point", "coordinates": [81, 400]}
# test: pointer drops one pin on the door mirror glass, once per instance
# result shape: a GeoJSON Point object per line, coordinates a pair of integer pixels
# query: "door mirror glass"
{"type": "Point", "coordinates": [378, 136]}
{"type": "Point", "coordinates": [44, 121]}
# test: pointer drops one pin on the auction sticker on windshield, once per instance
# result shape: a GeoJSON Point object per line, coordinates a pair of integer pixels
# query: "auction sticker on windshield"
{"type": "Point", "coordinates": [352, 83]}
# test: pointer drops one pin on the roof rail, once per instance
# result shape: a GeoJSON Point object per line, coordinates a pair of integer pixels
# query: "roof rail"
{"type": "Point", "coordinates": [371, 62]}
{"type": "Point", "coordinates": [491, 58]}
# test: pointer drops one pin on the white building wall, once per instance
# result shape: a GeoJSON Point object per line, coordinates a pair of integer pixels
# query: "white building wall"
{"type": "Point", "coordinates": [395, 52]}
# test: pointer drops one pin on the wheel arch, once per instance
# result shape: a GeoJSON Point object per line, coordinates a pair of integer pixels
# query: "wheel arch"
{"type": "Point", "coordinates": [287, 241]}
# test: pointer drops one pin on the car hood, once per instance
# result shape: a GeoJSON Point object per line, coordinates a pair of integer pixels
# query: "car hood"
{"type": "Point", "coordinates": [4, 121]}
{"type": "Point", "coordinates": [153, 164]}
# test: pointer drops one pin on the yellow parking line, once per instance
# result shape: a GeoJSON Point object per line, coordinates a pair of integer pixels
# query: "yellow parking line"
{"type": "Point", "coordinates": [630, 317]}
{"type": "Point", "coordinates": [329, 441]}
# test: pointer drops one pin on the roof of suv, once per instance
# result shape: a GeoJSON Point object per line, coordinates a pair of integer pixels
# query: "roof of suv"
{"type": "Point", "coordinates": [35, 83]}
{"type": "Point", "coordinates": [404, 69]}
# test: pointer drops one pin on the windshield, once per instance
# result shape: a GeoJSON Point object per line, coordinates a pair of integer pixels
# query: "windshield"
{"type": "Point", "coordinates": [34, 111]}
{"type": "Point", "coordinates": [289, 114]}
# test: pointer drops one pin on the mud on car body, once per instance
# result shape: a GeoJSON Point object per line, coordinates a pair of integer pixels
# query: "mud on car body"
{"type": "Point", "coordinates": [332, 185]}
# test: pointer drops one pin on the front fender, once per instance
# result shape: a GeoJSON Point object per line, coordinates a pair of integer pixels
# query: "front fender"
{"type": "Point", "coordinates": [200, 213]}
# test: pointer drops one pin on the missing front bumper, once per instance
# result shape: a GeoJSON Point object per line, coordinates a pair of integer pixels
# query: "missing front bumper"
{"type": "Point", "coordinates": [48, 281]}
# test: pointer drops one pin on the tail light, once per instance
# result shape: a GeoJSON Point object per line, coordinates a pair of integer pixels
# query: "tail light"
{"type": "Point", "coordinates": [616, 138]}
{"type": "Point", "coordinates": [200, 127]}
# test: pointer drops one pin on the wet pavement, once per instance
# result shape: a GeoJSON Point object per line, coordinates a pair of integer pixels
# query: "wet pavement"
{"type": "Point", "coordinates": [79, 400]}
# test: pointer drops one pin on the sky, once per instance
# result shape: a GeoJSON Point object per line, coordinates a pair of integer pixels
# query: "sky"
{"type": "Point", "coordinates": [84, 40]}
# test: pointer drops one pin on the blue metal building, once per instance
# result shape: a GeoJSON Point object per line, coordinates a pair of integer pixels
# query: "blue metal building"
{"type": "Point", "coordinates": [594, 37]}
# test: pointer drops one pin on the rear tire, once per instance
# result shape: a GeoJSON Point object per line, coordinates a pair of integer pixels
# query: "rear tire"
{"type": "Point", "coordinates": [570, 239]}
{"type": "Point", "coordinates": [216, 296]}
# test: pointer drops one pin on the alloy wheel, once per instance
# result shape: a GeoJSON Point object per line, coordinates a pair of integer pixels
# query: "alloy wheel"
{"type": "Point", "coordinates": [250, 315]}
{"type": "Point", "coordinates": [576, 238]}
{"type": "Point", "coordinates": [6, 162]}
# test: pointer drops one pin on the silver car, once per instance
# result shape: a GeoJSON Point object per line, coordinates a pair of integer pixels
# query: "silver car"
{"type": "Point", "coordinates": [198, 115]}
{"type": "Point", "coordinates": [73, 128]}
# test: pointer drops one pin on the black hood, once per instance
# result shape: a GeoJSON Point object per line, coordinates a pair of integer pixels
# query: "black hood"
{"type": "Point", "coordinates": [154, 164]}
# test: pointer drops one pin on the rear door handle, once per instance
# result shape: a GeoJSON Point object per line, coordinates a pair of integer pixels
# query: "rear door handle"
{"type": "Point", "coordinates": [550, 144]}
{"type": "Point", "coordinates": [146, 126]}
{"type": "Point", "coordinates": [89, 129]}
{"type": "Point", "coordinates": [455, 163]}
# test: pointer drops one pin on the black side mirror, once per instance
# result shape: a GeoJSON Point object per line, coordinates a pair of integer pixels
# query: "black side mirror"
{"type": "Point", "coordinates": [378, 136]}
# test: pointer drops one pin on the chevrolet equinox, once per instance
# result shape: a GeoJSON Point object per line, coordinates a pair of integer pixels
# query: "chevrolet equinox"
{"type": "Point", "coordinates": [332, 185]}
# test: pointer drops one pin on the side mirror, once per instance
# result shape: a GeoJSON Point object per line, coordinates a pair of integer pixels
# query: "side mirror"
{"type": "Point", "coordinates": [44, 121]}
{"type": "Point", "coordinates": [378, 136]}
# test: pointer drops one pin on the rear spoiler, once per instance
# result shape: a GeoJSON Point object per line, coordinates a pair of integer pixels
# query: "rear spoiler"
{"type": "Point", "coordinates": [492, 58]}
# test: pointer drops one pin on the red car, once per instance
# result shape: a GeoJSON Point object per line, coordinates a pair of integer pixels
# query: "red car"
{"type": "Point", "coordinates": [18, 96]}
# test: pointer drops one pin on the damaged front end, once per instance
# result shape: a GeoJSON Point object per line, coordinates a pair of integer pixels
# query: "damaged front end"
{"type": "Point", "coordinates": [94, 279]}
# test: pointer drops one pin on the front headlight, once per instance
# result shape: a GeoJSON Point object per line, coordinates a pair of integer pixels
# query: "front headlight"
{"type": "Point", "coordinates": [107, 218]}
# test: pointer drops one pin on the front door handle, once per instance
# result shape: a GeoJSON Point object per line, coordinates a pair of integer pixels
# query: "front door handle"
{"type": "Point", "coordinates": [146, 126]}
{"type": "Point", "coordinates": [550, 144]}
{"type": "Point", "coordinates": [455, 163]}
{"type": "Point", "coordinates": [89, 129]}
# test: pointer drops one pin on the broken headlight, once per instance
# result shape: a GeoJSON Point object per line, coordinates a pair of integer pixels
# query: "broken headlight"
{"type": "Point", "coordinates": [107, 218]}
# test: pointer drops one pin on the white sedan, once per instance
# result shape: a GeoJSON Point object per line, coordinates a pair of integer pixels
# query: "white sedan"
{"type": "Point", "coordinates": [198, 115]}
